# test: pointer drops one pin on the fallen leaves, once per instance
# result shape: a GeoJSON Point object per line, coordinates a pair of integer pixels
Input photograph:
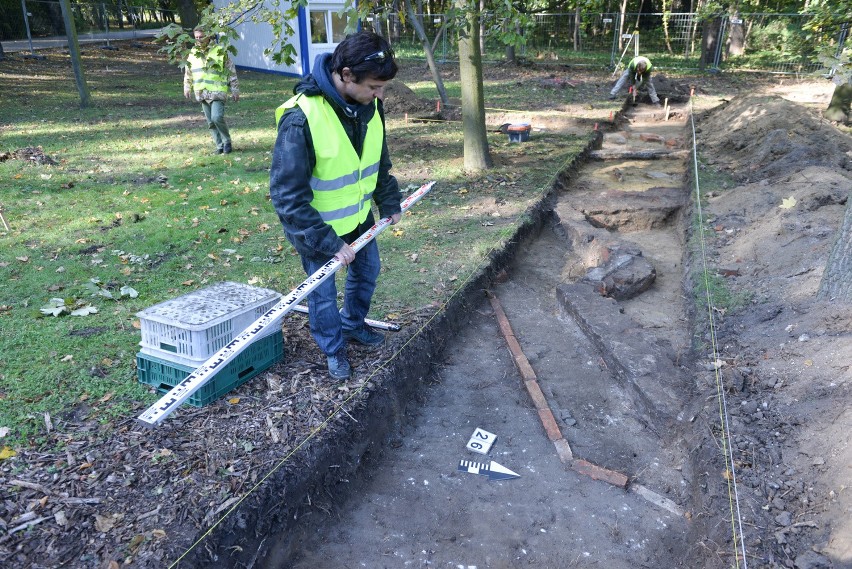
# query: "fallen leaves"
{"type": "Point", "coordinates": [63, 306]}
{"type": "Point", "coordinates": [788, 203]}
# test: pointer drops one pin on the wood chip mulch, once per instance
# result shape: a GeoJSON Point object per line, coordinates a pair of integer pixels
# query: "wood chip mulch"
{"type": "Point", "coordinates": [140, 497]}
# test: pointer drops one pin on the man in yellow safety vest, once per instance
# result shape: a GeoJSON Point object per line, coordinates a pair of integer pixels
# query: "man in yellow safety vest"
{"type": "Point", "coordinates": [211, 75]}
{"type": "Point", "coordinates": [329, 162]}
{"type": "Point", "coordinates": [638, 72]}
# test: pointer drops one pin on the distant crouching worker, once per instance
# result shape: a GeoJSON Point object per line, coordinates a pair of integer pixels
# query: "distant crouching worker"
{"type": "Point", "coordinates": [638, 72]}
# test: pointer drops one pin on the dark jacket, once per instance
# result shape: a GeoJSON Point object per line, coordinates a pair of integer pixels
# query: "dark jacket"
{"type": "Point", "coordinates": [293, 161]}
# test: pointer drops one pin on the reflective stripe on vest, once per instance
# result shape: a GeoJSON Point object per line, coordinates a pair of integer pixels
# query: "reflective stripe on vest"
{"type": "Point", "coordinates": [208, 71]}
{"type": "Point", "coordinates": [342, 183]}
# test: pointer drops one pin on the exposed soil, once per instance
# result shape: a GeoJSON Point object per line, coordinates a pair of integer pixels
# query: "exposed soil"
{"type": "Point", "coordinates": [633, 386]}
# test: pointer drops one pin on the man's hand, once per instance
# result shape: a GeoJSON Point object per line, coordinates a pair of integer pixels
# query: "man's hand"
{"type": "Point", "coordinates": [346, 255]}
{"type": "Point", "coordinates": [395, 218]}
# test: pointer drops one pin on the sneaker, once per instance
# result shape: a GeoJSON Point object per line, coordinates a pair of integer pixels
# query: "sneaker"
{"type": "Point", "coordinates": [219, 151]}
{"type": "Point", "coordinates": [227, 148]}
{"type": "Point", "coordinates": [338, 366]}
{"type": "Point", "coordinates": [365, 336]}
{"type": "Point", "coordinates": [611, 97]}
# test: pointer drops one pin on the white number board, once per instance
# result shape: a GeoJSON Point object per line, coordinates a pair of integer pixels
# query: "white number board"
{"type": "Point", "coordinates": [481, 441]}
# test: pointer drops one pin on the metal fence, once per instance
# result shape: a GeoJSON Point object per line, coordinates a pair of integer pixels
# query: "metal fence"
{"type": "Point", "coordinates": [776, 43]}
{"type": "Point", "coordinates": [39, 23]}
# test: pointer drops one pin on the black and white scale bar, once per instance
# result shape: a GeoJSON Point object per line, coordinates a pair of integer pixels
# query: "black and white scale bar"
{"type": "Point", "coordinates": [378, 324]}
{"type": "Point", "coordinates": [492, 470]}
{"type": "Point", "coordinates": [156, 413]}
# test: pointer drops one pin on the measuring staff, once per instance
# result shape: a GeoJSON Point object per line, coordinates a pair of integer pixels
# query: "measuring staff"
{"type": "Point", "coordinates": [167, 404]}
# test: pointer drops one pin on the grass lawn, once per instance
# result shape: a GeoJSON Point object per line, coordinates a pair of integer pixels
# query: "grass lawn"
{"type": "Point", "coordinates": [137, 210]}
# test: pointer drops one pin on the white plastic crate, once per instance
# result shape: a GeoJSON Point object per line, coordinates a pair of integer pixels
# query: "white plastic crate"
{"type": "Point", "coordinates": [190, 328]}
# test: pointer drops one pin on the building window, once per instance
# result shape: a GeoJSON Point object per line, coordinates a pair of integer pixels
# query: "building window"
{"type": "Point", "coordinates": [325, 24]}
{"type": "Point", "coordinates": [319, 32]}
{"type": "Point", "coordinates": [338, 27]}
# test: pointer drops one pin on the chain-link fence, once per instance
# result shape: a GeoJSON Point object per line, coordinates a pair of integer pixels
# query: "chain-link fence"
{"type": "Point", "coordinates": [777, 43]}
{"type": "Point", "coordinates": [29, 24]}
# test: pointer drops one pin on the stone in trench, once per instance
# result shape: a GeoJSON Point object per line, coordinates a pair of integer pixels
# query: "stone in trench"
{"type": "Point", "coordinates": [784, 519]}
{"type": "Point", "coordinates": [624, 277]}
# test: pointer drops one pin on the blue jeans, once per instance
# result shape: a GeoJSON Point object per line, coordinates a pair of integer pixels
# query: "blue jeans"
{"type": "Point", "coordinates": [327, 322]}
{"type": "Point", "coordinates": [214, 112]}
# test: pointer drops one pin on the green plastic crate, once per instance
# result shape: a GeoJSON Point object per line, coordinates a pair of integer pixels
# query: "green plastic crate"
{"type": "Point", "coordinates": [258, 357]}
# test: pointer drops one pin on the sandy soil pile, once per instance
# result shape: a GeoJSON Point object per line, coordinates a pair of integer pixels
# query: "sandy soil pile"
{"type": "Point", "coordinates": [785, 355]}
{"type": "Point", "coordinates": [755, 137]}
{"type": "Point", "coordinates": [400, 99]}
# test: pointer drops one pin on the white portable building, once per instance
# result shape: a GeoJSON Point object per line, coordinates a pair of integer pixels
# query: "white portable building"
{"type": "Point", "coordinates": [319, 27]}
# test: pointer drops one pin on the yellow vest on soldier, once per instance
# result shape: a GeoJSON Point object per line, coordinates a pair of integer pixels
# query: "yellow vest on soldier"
{"type": "Point", "coordinates": [208, 70]}
{"type": "Point", "coordinates": [342, 182]}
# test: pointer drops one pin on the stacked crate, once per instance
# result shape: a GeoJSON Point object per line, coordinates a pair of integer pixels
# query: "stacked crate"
{"type": "Point", "coordinates": [179, 335]}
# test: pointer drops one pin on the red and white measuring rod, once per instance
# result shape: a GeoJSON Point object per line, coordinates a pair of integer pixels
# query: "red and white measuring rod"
{"type": "Point", "coordinates": [156, 413]}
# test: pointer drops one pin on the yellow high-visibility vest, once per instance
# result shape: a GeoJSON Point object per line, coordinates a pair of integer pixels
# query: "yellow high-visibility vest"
{"type": "Point", "coordinates": [208, 70]}
{"type": "Point", "coordinates": [342, 183]}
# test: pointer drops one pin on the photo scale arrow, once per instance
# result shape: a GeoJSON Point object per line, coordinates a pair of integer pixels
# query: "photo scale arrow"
{"type": "Point", "coordinates": [492, 470]}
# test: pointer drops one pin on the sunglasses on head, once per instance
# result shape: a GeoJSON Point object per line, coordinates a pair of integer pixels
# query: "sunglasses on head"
{"type": "Point", "coordinates": [378, 56]}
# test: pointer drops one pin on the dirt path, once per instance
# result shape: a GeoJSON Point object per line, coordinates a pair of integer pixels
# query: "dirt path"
{"type": "Point", "coordinates": [413, 508]}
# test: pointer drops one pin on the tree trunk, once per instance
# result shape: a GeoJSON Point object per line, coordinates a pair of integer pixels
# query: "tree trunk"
{"type": "Point", "coordinates": [476, 153]}
{"type": "Point", "coordinates": [427, 49]}
{"type": "Point", "coordinates": [74, 51]}
{"type": "Point", "coordinates": [577, 22]}
{"type": "Point", "coordinates": [709, 42]}
{"type": "Point", "coordinates": [639, 14]}
{"type": "Point", "coordinates": [841, 102]}
{"type": "Point", "coordinates": [667, 4]}
{"type": "Point", "coordinates": [736, 38]}
{"type": "Point", "coordinates": [836, 284]}
{"type": "Point", "coordinates": [510, 54]}
{"type": "Point", "coordinates": [188, 14]}
{"type": "Point", "coordinates": [622, 12]}
{"type": "Point", "coordinates": [396, 27]}
{"type": "Point", "coordinates": [481, 28]}
{"type": "Point", "coordinates": [2, 55]}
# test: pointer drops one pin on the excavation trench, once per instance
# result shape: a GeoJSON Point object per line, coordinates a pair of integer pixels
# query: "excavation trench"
{"type": "Point", "coordinates": [613, 384]}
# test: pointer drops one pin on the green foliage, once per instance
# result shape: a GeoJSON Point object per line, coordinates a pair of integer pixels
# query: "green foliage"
{"type": "Point", "coordinates": [710, 10]}
{"type": "Point", "coordinates": [179, 42]}
{"type": "Point", "coordinates": [779, 36]}
{"type": "Point", "coordinates": [838, 65]}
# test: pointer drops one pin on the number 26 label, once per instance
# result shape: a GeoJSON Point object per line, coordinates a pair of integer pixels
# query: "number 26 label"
{"type": "Point", "coordinates": [481, 441]}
